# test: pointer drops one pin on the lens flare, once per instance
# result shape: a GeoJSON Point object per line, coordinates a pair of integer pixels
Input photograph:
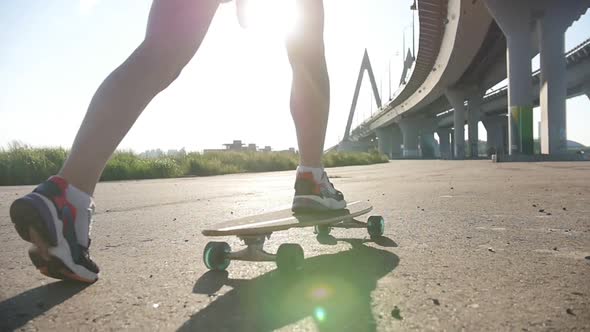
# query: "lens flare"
{"type": "Point", "coordinates": [320, 292]}
{"type": "Point", "coordinates": [319, 314]}
{"type": "Point", "coordinates": [86, 6]}
{"type": "Point", "coordinates": [270, 17]}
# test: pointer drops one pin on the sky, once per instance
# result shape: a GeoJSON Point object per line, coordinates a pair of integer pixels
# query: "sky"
{"type": "Point", "coordinates": [56, 53]}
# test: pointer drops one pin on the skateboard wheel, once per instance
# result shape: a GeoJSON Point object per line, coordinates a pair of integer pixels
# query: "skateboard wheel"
{"type": "Point", "coordinates": [215, 256]}
{"type": "Point", "coordinates": [375, 226]}
{"type": "Point", "coordinates": [290, 257]}
{"type": "Point", "coordinates": [322, 230]}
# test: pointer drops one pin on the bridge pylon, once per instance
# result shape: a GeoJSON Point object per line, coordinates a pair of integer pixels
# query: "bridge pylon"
{"type": "Point", "coordinates": [365, 66]}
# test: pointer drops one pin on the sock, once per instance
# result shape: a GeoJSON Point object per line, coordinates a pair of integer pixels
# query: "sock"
{"type": "Point", "coordinates": [84, 205]}
{"type": "Point", "coordinates": [318, 172]}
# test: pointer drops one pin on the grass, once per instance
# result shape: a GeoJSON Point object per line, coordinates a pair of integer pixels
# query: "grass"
{"type": "Point", "coordinates": [21, 164]}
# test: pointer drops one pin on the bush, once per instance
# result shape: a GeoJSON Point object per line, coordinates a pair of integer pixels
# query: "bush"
{"type": "Point", "coordinates": [334, 159]}
{"type": "Point", "coordinates": [21, 164]}
{"type": "Point", "coordinates": [200, 165]}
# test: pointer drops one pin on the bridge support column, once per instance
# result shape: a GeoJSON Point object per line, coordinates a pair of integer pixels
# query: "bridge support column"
{"type": "Point", "coordinates": [587, 89]}
{"type": "Point", "coordinates": [456, 98]}
{"type": "Point", "coordinates": [428, 145]}
{"type": "Point", "coordinates": [444, 143]}
{"type": "Point", "coordinates": [496, 128]}
{"type": "Point", "coordinates": [514, 18]}
{"type": "Point", "coordinates": [389, 140]}
{"type": "Point", "coordinates": [410, 131]}
{"type": "Point", "coordinates": [474, 102]}
{"type": "Point", "coordinates": [398, 140]}
{"type": "Point", "coordinates": [452, 156]}
{"type": "Point", "coordinates": [555, 19]}
{"type": "Point", "coordinates": [384, 141]}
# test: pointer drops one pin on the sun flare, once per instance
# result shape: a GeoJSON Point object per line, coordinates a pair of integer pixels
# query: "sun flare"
{"type": "Point", "coordinates": [86, 6]}
{"type": "Point", "coordinates": [271, 17]}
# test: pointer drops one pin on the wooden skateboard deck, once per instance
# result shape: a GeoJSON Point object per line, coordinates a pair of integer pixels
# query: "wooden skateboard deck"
{"type": "Point", "coordinates": [284, 219]}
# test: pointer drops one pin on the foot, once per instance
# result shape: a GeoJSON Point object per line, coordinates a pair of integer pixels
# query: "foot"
{"type": "Point", "coordinates": [58, 230]}
{"type": "Point", "coordinates": [312, 195]}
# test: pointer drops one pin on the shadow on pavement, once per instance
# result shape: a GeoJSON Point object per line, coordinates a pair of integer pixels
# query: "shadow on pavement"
{"type": "Point", "coordinates": [380, 240]}
{"type": "Point", "coordinates": [334, 290]}
{"type": "Point", "coordinates": [20, 309]}
{"type": "Point", "coordinates": [384, 241]}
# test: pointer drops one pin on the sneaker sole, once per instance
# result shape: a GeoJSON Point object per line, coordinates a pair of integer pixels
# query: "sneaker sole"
{"type": "Point", "coordinates": [31, 227]}
{"type": "Point", "coordinates": [307, 204]}
{"type": "Point", "coordinates": [25, 214]}
{"type": "Point", "coordinates": [48, 264]}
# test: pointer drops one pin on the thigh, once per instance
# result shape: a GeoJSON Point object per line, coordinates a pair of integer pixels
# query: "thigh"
{"type": "Point", "coordinates": [306, 43]}
{"type": "Point", "coordinates": [311, 13]}
{"type": "Point", "coordinates": [179, 24]}
{"type": "Point", "coordinates": [308, 35]}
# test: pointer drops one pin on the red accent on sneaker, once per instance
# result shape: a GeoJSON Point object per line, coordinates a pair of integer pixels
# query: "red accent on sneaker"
{"type": "Point", "coordinates": [61, 200]}
{"type": "Point", "coordinates": [60, 182]}
{"type": "Point", "coordinates": [308, 176]}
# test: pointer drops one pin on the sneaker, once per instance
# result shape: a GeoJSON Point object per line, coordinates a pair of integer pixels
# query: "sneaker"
{"type": "Point", "coordinates": [58, 231]}
{"type": "Point", "coordinates": [311, 196]}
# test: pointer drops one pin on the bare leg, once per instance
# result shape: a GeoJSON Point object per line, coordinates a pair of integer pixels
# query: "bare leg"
{"type": "Point", "coordinates": [310, 90]}
{"type": "Point", "coordinates": [175, 31]}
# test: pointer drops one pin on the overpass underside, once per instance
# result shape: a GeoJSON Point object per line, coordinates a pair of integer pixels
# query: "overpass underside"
{"type": "Point", "coordinates": [465, 49]}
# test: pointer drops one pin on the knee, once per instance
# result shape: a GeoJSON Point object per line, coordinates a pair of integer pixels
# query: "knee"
{"type": "Point", "coordinates": [305, 46]}
{"type": "Point", "coordinates": [305, 49]}
{"type": "Point", "coordinates": [162, 63]}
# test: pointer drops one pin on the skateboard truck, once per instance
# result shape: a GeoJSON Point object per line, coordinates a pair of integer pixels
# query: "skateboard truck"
{"type": "Point", "coordinates": [218, 255]}
{"type": "Point", "coordinates": [254, 251]}
{"type": "Point", "coordinates": [374, 225]}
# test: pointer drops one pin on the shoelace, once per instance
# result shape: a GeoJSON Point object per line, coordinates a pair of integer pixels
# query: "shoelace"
{"type": "Point", "coordinates": [326, 179]}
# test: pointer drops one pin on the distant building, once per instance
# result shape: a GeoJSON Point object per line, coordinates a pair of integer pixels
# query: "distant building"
{"type": "Point", "coordinates": [154, 153]}
{"type": "Point", "coordinates": [158, 153]}
{"type": "Point", "coordinates": [237, 145]}
{"type": "Point", "coordinates": [290, 150]}
{"type": "Point", "coordinates": [176, 153]}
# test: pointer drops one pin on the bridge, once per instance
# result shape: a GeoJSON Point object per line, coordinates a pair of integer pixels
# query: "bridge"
{"type": "Point", "coordinates": [466, 48]}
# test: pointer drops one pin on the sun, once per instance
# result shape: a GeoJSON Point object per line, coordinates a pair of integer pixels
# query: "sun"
{"type": "Point", "coordinates": [87, 5]}
{"type": "Point", "coordinates": [270, 17]}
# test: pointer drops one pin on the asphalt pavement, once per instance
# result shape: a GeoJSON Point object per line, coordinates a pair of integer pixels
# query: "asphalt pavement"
{"type": "Point", "coordinates": [470, 245]}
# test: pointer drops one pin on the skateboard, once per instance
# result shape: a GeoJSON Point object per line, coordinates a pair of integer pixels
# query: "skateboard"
{"type": "Point", "coordinates": [254, 230]}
